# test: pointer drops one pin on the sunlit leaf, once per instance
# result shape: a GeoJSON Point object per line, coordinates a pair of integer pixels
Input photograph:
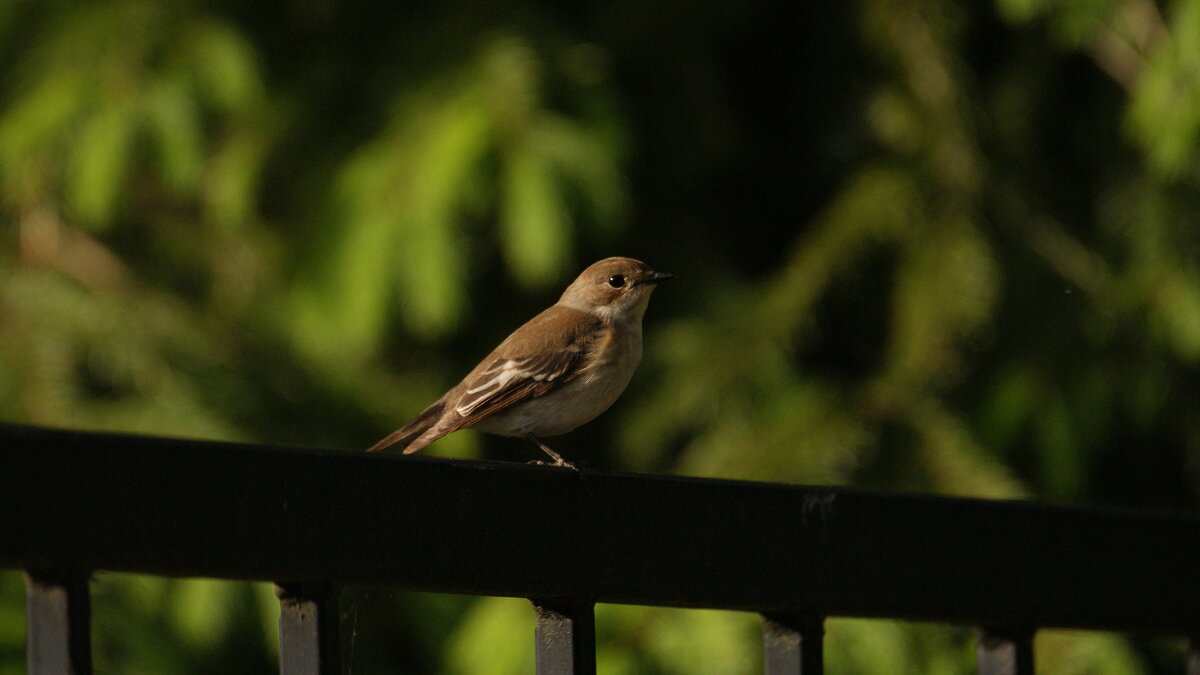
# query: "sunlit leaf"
{"type": "Point", "coordinates": [198, 609]}
{"type": "Point", "coordinates": [494, 639]}
{"type": "Point", "coordinates": [1164, 108]}
{"type": "Point", "coordinates": [588, 160]}
{"type": "Point", "coordinates": [177, 134]}
{"type": "Point", "coordinates": [30, 125]}
{"type": "Point", "coordinates": [224, 64]}
{"type": "Point", "coordinates": [535, 240]}
{"type": "Point", "coordinates": [233, 179]}
{"type": "Point", "coordinates": [99, 162]}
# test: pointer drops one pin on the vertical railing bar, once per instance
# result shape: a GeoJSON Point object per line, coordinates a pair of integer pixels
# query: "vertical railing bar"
{"type": "Point", "coordinates": [309, 639]}
{"type": "Point", "coordinates": [793, 643]}
{"type": "Point", "coordinates": [565, 636]}
{"type": "Point", "coordinates": [1005, 651]}
{"type": "Point", "coordinates": [58, 609]}
{"type": "Point", "coordinates": [1193, 655]}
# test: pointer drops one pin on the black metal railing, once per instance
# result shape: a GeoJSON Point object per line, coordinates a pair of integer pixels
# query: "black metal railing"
{"type": "Point", "coordinates": [312, 521]}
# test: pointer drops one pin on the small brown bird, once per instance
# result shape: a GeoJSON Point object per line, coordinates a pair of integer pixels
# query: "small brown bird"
{"type": "Point", "coordinates": [558, 371]}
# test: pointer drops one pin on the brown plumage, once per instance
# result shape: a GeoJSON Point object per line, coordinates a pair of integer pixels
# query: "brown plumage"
{"type": "Point", "coordinates": [561, 369]}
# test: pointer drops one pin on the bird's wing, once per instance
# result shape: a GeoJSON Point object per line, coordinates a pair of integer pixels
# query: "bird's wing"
{"type": "Point", "coordinates": [543, 354]}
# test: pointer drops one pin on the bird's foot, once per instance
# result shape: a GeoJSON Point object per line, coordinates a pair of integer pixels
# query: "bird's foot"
{"type": "Point", "coordinates": [557, 462]}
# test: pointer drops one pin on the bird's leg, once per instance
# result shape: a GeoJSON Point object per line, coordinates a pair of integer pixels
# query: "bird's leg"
{"type": "Point", "coordinates": [558, 460]}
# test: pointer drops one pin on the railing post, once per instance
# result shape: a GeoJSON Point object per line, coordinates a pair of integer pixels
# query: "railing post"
{"type": "Point", "coordinates": [1004, 651]}
{"type": "Point", "coordinates": [565, 636]}
{"type": "Point", "coordinates": [308, 628]}
{"type": "Point", "coordinates": [793, 644]}
{"type": "Point", "coordinates": [1193, 655]}
{"type": "Point", "coordinates": [58, 609]}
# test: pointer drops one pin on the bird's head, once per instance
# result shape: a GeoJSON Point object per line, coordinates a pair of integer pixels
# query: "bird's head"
{"type": "Point", "coordinates": [615, 289]}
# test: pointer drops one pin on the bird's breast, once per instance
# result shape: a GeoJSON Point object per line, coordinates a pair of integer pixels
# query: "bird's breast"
{"type": "Point", "coordinates": [613, 360]}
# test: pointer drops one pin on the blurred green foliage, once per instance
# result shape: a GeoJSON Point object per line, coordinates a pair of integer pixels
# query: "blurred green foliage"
{"type": "Point", "coordinates": [925, 246]}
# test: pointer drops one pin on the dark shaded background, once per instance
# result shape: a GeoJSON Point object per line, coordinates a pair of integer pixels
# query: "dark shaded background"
{"type": "Point", "coordinates": [932, 247]}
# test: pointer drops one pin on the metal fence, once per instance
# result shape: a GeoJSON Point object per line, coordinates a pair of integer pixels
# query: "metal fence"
{"type": "Point", "coordinates": [312, 521]}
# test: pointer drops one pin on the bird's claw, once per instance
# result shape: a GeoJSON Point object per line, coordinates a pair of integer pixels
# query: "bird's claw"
{"type": "Point", "coordinates": [559, 462]}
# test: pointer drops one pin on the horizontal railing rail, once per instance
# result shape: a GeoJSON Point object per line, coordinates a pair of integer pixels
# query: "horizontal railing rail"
{"type": "Point", "coordinates": [312, 520]}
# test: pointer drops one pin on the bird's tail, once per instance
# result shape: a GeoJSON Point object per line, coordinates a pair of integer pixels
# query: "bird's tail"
{"type": "Point", "coordinates": [404, 436]}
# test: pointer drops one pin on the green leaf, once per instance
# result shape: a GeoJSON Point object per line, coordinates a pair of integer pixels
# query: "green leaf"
{"type": "Point", "coordinates": [29, 127]}
{"type": "Point", "coordinates": [533, 221]}
{"type": "Point", "coordinates": [198, 609]}
{"type": "Point", "coordinates": [225, 66]}
{"type": "Point", "coordinates": [177, 135]}
{"type": "Point", "coordinates": [232, 186]}
{"type": "Point", "coordinates": [99, 162]}
{"type": "Point", "coordinates": [1164, 106]}
{"type": "Point", "coordinates": [590, 161]}
{"type": "Point", "coordinates": [450, 138]}
{"type": "Point", "coordinates": [493, 639]}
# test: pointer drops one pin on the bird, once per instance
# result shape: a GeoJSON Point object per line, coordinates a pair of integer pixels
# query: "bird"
{"type": "Point", "coordinates": [558, 371]}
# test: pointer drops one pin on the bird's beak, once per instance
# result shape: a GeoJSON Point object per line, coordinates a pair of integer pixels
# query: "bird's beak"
{"type": "Point", "coordinates": [657, 278]}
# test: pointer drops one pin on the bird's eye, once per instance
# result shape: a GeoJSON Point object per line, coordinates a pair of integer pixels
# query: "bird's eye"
{"type": "Point", "coordinates": [616, 281]}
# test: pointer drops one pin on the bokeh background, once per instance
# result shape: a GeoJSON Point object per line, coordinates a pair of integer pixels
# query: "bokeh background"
{"type": "Point", "coordinates": [926, 246]}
